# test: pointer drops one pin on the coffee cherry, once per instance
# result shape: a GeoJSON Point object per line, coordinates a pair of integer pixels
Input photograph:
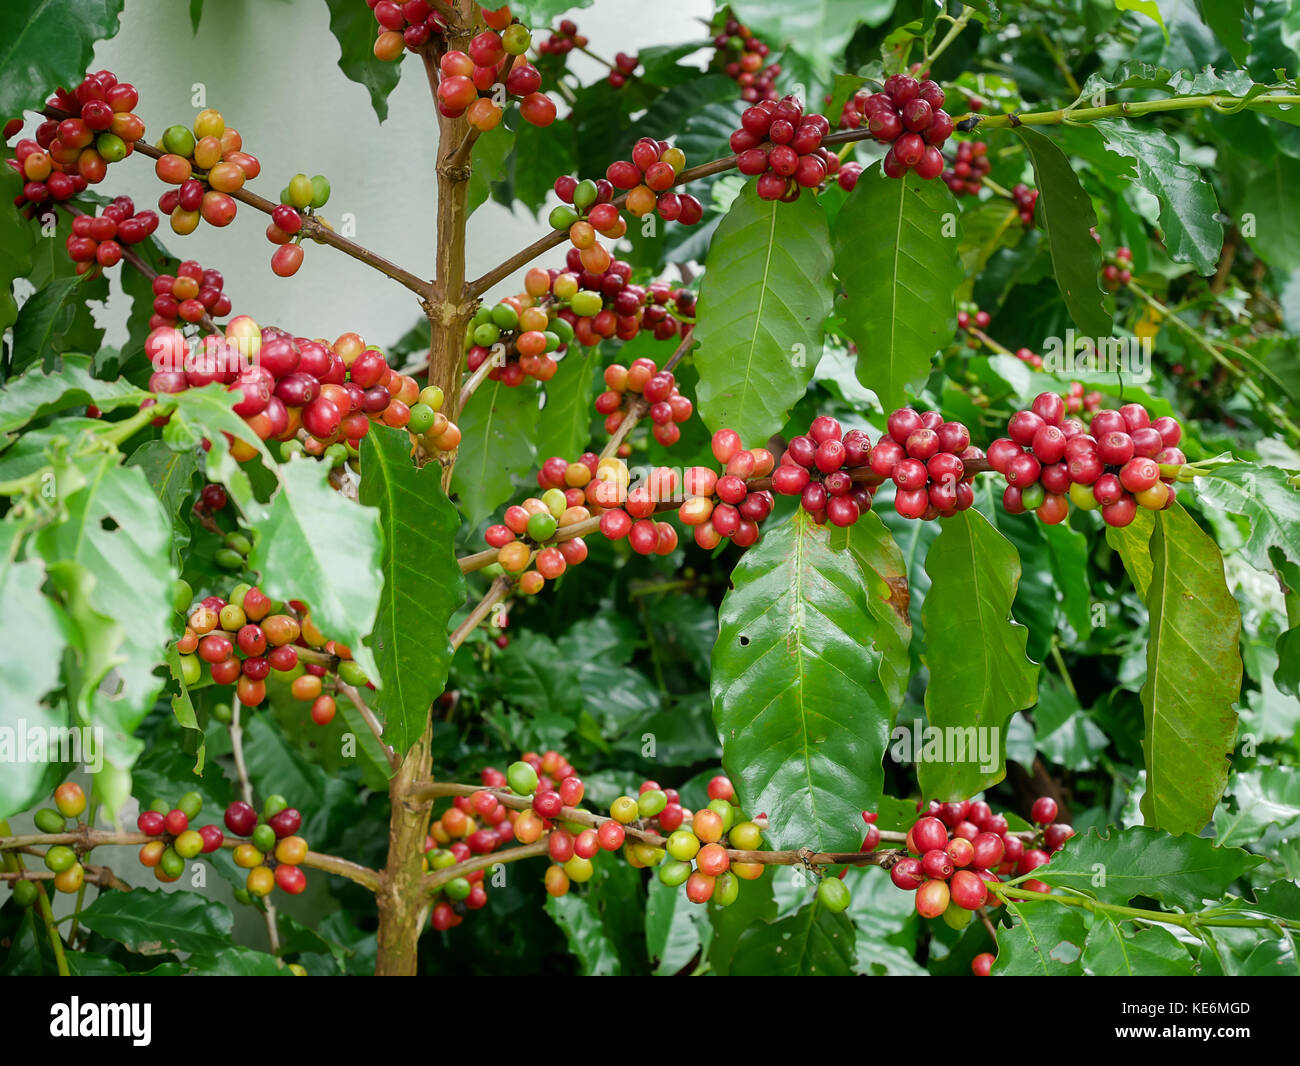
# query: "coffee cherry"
{"type": "Point", "coordinates": [70, 799]}
{"type": "Point", "coordinates": [833, 894]}
{"type": "Point", "coordinates": [982, 964]}
{"type": "Point", "coordinates": [932, 899]}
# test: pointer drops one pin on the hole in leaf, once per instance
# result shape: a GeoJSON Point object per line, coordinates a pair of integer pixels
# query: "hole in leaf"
{"type": "Point", "coordinates": [744, 641]}
{"type": "Point", "coordinates": [108, 525]}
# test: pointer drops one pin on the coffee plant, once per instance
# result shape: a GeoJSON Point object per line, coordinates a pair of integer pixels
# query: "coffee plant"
{"type": "Point", "coordinates": [667, 598]}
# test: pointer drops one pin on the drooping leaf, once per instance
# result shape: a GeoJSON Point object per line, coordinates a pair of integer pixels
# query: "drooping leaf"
{"type": "Point", "coordinates": [1193, 676]}
{"type": "Point", "coordinates": [183, 706]}
{"type": "Point", "coordinates": [900, 272]}
{"type": "Point", "coordinates": [764, 297]}
{"type": "Point", "coordinates": [979, 672]}
{"type": "Point", "coordinates": [798, 703]}
{"type": "Point", "coordinates": [497, 430]}
{"type": "Point", "coordinates": [17, 238]}
{"type": "Point", "coordinates": [171, 475]}
{"type": "Point", "coordinates": [57, 319]}
{"type": "Point", "coordinates": [674, 928]}
{"type": "Point", "coordinates": [355, 29]}
{"type": "Point", "coordinates": [153, 922]}
{"type": "Point", "coordinates": [46, 45]}
{"type": "Point", "coordinates": [1133, 542]}
{"type": "Point", "coordinates": [422, 586]}
{"type": "Point", "coordinates": [1273, 230]}
{"type": "Point", "coordinates": [566, 418]}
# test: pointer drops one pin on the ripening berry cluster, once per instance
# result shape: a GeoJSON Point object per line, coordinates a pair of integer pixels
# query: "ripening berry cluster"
{"type": "Point", "coordinates": [956, 849]}
{"type": "Point", "coordinates": [285, 230]}
{"type": "Point", "coordinates": [667, 407]}
{"type": "Point", "coordinates": [100, 239]}
{"type": "Point", "coordinates": [816, 467]}
{"type": "Point", "coordinates": [783, 146]}
{"type": "Point", "coordinates": [968, 315]}
{"type": "Point", "coordinates": [61, 860]}
{"type": "Point", "coordinates": [586, 205]}
{"type": "Point", "coordinates": [175, 841]}
{"type": "Point", "coordinates": [187, 295]}
{"type": "Point", "coordinates": [528, 533]}
{"type": "Point", "coordinates": [722, 505]}
{"type": "Point", "coordinates": [909, 116]}
{"type": "Point", "coordinates": [926, 458]}
{"type": "Point", "coordinates": [563, 40]}
{"type": "Point", "coordinates": [625, 65]}
{"type": "Point", "coordinates": [68, 155]}
{"type": "Point", "coordinates": [466, 85]}
{"type": "Point", "coordinates": [250, 639]}
{"type": "Point", "coordinates": [967, 168]}
{"type": "Point", "coordinates": [1025, 198]}
{"type": "Point", "coordinates": [274, 853]}
{"type": "Point", "coordinates": [1120, 461]}
{"type": "Point", "coordinates": [1117, 269]}
{"type": "Point", "coordinates": [404, 26]}
{"type": "Point", "coordinates": [649, 177]}
{"type": "Point", "coordinates": [206, 164]}
{"type": "Point", "coordinates": [742, 57]}
{"type": "Point", "coordinates": [523, 336]}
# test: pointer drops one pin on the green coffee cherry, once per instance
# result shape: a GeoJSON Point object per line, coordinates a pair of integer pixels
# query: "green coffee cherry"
{"type": "Point", "coordinates": [320, 191]}
{"type": "Point", "coordinates": [182, 595]}
{"type": "Point", "coordinates": [726, 889]}
{"type": "Point", "coordinates": [505, 316]}
{"type": "Point", "coordinates": [189, 844]}
{"type": "Point", "coordinates": [541, 527]}
{"type": "Point", "coordinates": [191, 670]}
{"type": "Point", "coordinates": [237, 542]}
{"type": "Point", "coordinates": [651, 802]}
{"type": "Point", "coordinates": [228, 559]}
{"type": "Point", "coordinates": [457, 888]}
{"type": "Point", "coordinates": [301, 191]}
{"type": "Point", "coordinates": [241, 896]}
{"type": "Point", "coordinates": [674, 872]}
{"type": "Point", "coordinates": [274, 805]}
{"type": "Point", "coordinates": [487, 334]}
{"type": "Point", "coordinates": [521, 778]}
{"type": "Point", "coordinates": [179, 140]}
{"type": "Point", "coordinates": [562, 216]}
{"type": "Point", "coordinates": [60, 858]}
{"type": "Point", "coordinates": [25, 893]}
{"type": "Point", "coordinates": [585, 194]}
{"type": "Point", "coordinates": [222, 712]}
{"type": "Point", "coordinates": [726, 811]}
{"type": "Point", "coordinates": [833, 894]}
{"type": "Point", "coordinates": [683, 845]}
{"type": "Point", "coordinates": [351, 673]}
{"type": "Point", "coordinates": [190, 804]}
{"type": "Point", "coordinates": [263, 838]}
{"type": "Point", "coordinates": [48, 820]}
{"type": "Point", "coordinates": [171, 863]}
{"type": "Point", "coordinates": [586, 303]}
{"type": "Point", "coordinates": [422, 416]}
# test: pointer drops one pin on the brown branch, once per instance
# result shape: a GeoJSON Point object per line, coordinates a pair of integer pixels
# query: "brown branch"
{"type": "Point", "coordinates": [494, 595]}
{"type": "Point", "coordinates": [95, 875]}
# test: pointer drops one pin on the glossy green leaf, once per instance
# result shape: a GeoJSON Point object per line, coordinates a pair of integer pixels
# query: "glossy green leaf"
{"type": "Point", "coordinates": [422, 586]}
{"type": "Point", "coordinates": [316, 546]}
{"type": "Point", "coordinates": [171, 475]}
{"type": "Point", "coordinates": [811, 943]}
{"type": "Point", "coordinates": [237, 961]}
{"type": "Point", "coordinates": [675, 929]}
{"type": "Point", "coordinates": [37, 393]}
{"type": "Point", "coordinates": [566, 418]}
{"type": "Point", "coordinates": [497, 429]}
{"type": "Point", "coordinates": [900, 270]}
{"type": "Point", "coordinates": [1133, 543]}
{"type": "Point", "coordinates": [1273, 228]}
{"type": "Point", "coordinates": [183, 706]}
{"type": "Point", "coordinates": [490, 151]}
{"type": "Point", "coordinates": [1260, 798]}
{"type": "Point", "coordinates": [1193, 676]}
{"type": "Point", "coordinates": [979, 672]}
{"type": "Point", "coordinates": [1114, 950]}
{"type": "Point", "coordinates": [797, 697]}
{"type": "Point", "coordinates": [154, 922]}
{"type": "Point", "coordinates": [1265, 496]}
{"type": "Point", "coordinates": [355, 29]}
{"type": "Point", "coordinates": [58, 319]}
{"type": "Point", "coordinates": [1066, 213]}
{"type": "Point", "coordinates": [1224, 17]}
{"type": "Point", "coordinates": [765, 294]}
{"type": "Point", "coordinates": [45, 44]}
{"type": "Point", "coordinates": [1044, 940]}
{"type": "Point", "coordinates": [17, 238]}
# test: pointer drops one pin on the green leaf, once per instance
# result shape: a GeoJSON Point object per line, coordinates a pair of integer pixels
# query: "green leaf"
{"type": "Point", "coordinates": [1193, 676]}
{"type": "Point", "coordinates": [884, 574]}
{"type": "Point", "coordinates": [497, 428]}
{"type": "Point", "coordinates": [490, 151]}
{"type": "Point", "coordinates": [825, 25]}
{"type": "Point", "coordinates": [234, 960]}
{"type": "Point", "coordinates": [171, 475]}
{"type": "Point", "coordinates": [900, 275]}
{"type": "Point", "coordinates": [57, 319]}
{"type": "Point", "coordinates": [1179, 871]}
{"type": "Point", "coordinates": [1154, 952]}
{"type": "Point", "coordinates": [355, 29]}
{"type": "Point", "coordinates": [979, 672]}
{"type": "Point", "coordinates": [1063, 733]}
{"type": "Point", "coordinates": [797, 700]}
{"type": "Point", "coordinates": [1133, 542]}
{"type": "Point", "coordinates": [1224, 17]}
{"type": "Point", "coordinates": [17, 239]}
{"type": "Point", "coordinates": [317, 546]}
{"type": "Point", "coordinates": [208, 413]}
{"type": "Point", "coordinates": [38, 393]}
{"type": "Point", "coordinates": [811, 943]}
{"type": "Point", "coordinates": [1044, 940]}
{"type": "Point", "coordinates": [183, 706]}
{"type": "Point", "coordinates": [29, 668]}
{"type": "Point", "coordinates": [1149, 8]}
{"type": "Point", "coordinates": [1188, 208]}
{"type": "Point", "coordinates": [1261, 798]}
{"type": "Point", "coordinates": [47, 44]}
{"type": "Point", "coordinates": [1265, 496]}
{"type": "Point", "coordinates": [1067, 215]}
{"type": "Point", "coordinates": [541, 153]}
{"type": "Point", "coordinates": [675, 928]}
{"type": "Point", "coordinates": [764, 297]}
{"type": "Point", "coordinates": [566, 418]}
{"type": "Point", "coordinates": [153, 922]}
{"type": "Point", "coordinates": [422, 587]}
{"type": "Point", "coordinates": [1274, 230]}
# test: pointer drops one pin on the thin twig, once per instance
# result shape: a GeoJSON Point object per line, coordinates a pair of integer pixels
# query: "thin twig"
{"type": "Point", "coordinates": [372, 723]}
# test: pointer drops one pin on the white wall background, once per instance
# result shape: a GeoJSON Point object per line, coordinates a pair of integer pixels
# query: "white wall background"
{"type": "Point", "coordinates": [270, 67]}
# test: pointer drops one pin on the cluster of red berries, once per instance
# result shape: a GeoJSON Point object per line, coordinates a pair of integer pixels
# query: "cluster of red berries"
{"type": "Point", "coordinates": [742, 57]}
{"type": "Point", "coordinates": [586, 204]}
{"type": "Point", "coordinates": [783, 146]}
{"type": "Point", "coordinates": [624, 68]}
{"type": "Point", "coordinates": [175, 842]}
{"type": "Point", "coordinates": [967, 168]}
{"type": "Point", "coordinates": [206, 165]}
{"type": "Point", "coordinates": [697, 851]}
{"type": "Point", "coordinates": [722, 505]}
{"type": "Point", "coordinates": [908, 116]}
{"type": "Point", "coordinates": [1029, 358]}
{"type": "Point", "coordinates": [467, 78]}
{"type": "Point", "coordinates": [817, 468]}
{"type": "Point", "coordinates": [61, 860]}
{"type": "Point", "coordinates": [1079, 400]}
{"type": "Point", "coordinates": [538, 521]}
{"type": "Point", "coordinates": [67, 155]}
{"type": "Point", "coordinates": [250, 638]}
{"type": "Point", "coordinates": [1025, 198]}
{"type": "Point", "coordinates": [648, 178]}
{"type": "Point", "coordinates": [285, 230]}
{"type": "Point", "coordinates": [1117, 269]}
{"type": "Point", "coordinates": [667, 407]}
{"type": "Point", "coordinates": [187, 295]}
{"type": "Point", "coordinates": [563, 40]}
{"type": "Point", "coordinates": [956, 849]}
{"type": "Point", "coordinates": [927, 459]}
{"type": "Point", "coordinates": [407, 25]}
{"type": "Point", "coordinates": [1117, 463]}
{"type": "Point", "coordinates": [631, 511]}
{"type": "Point", "coordinates": [274, 853]}
{"type": "Point", "coordinates": [99, 240]}
{"type": "Point", "coordinates": [522, 334]}
{"type": "Point", "coordinates": [603, 305]}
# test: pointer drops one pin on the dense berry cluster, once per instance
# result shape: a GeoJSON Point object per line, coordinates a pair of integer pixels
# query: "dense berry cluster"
{"type": "Point", "coordinates": [60, 860]}
{"type": "Point", "coordinates": [407, 25]}
{"type": "Point", "coordinates": [100, 239]}
{"type": "Point", "coordinates": [722, 505]}
{"type": "Point", "coordinates": [783, 146]}
{"type": "Point", "coordinates": [250, 639]}
{"type": "Point", "coordinates": [667, 407]}
{"type": "Point", "coordinates": [926, 458]}
{"type": "Point", "coordinates": [523, 338]}
{"type": "Point", "coordinates": [285, 230]}
{"type": "Point", "coordinates": [909, 116]}
{"type": "Point", "coordinates": [624, 69]}
{"type": "Point", "coordinates": [967, 168]}
{"type": "Point", "coordinates": [174, 841]}
{"type": "Point", "coordinates": [1121, 461]}
{"type": "Point", "coordinates": [817, 467]}
{"type": "Point", "coordinates": [466, 84]}
{"type": "Point", "coordinates": [1117, 269]}
{"type": "Point", "coordinates": [69, 154]}
{"type": "Point", "coordinates": [649, 177]}
{"type": "Point", "coordinates": [529, 531]}
{"type": "Point", "coordinates": [187, 295]}
{"type": "Point", "coordinates": [274, 852]}
{"type": "Point", "coordinates": [743, 58]}
{"type": "Point", "coordinates": [563, 40]}
{"type": "Point", "coordinates": [956, 849]}
{"type": "Point", "coordinates": [1025, 198]}
{"type": "Point", "coordinates": [206, 164]}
